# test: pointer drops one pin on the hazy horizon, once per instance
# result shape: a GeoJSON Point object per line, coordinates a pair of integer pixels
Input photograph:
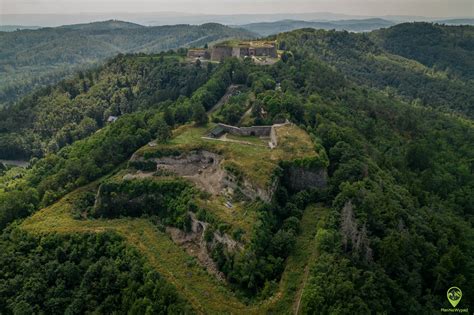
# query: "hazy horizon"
{"type": "Point", "coordinates": [46, 13]}
{"type": "Point", "coordinates": [430, 8]}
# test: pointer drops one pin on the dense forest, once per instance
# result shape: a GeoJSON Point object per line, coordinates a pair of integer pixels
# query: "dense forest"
{"type": "Point", "coordinates": [33, 58]}
{"type": "Point", "coordinates": [444, 48]}
{"type": "Point", "coordinates": [368, 63]}
{"type": "Point", "coordinates": [396, 130]}
{"type": "Point", "coordinates": [74, 109]}
{"type": "Point", "coordinates": [78, 274]}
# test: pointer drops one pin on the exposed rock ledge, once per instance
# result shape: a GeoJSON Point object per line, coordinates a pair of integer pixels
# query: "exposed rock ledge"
{"type": "Point", "coordinates": [204, 169]}
{"type": "Point", "coordinates": [195, 245]}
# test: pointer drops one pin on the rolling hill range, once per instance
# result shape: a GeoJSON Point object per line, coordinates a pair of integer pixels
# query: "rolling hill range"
{"type": "Point", "coordinates": [425, 63]}
{"type": "Point", "coordinates": [436, 46]}
{"type": "Point", "coordinates": [362, 25]}
{"type": "Point", "coordinates": [337, 180]}
{"type": "Point", "coordinates": [456, 21]}
{"type": "Point", "coordinates": [33, 58]}
{"type": "Point", "coordinates": [12, 28]}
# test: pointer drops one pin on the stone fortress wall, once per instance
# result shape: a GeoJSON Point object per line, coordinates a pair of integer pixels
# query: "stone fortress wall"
{"type": "Point", "coordinates": [273, 137]}
{"type": "Point", "coordinates": [220, 52]}
{"type": "Point", "coordinates": [199, 53]}
{"type": "Point", "coordinates": [257, 131]}
{"type": "Point", "coordinates": [266, 51]}
{"type": "Point", "coordinates": [244, 49]}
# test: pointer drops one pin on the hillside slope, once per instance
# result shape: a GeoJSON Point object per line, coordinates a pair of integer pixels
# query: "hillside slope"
{"type": "Point", "coordinates": [33, 58]}
{"type": "Point", "coordinates": [363, 59]}
{"type": "Point", "coordinates": [445, 48]}
{"type": "Point", "coordinates": [198, 288]}
{"type": "Point", "coordinates": [56, 116]}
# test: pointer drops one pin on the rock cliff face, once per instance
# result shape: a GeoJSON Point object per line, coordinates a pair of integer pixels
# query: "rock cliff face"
{"type": "Point", "coordinates": [195, 245]}
{"type": "Point", "coordinates": [204, 169]}
{"type": "Point", "coordinates": [249, 190]}
{"type": "Point", "coordinates": [300, 178]}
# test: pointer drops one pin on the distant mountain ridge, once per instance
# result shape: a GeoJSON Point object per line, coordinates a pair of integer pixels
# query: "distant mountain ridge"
{"type": "Point", "coordinates": [12, 28]}
{"type": "Point", "coordinates": [104, 25]}
{"type": "Point", "coordinates": [33, 58]}
{"type": "Point", "coordinates": [172, 18]}
{"type": "Point", "coordinates": [270, 28]}
{"type": "Point", "coordinates": [456, 21]}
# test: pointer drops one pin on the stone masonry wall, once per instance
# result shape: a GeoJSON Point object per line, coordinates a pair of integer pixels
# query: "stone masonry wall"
{"type": "Point", "coordinates": [266, 51]}
{"type": "Point", "coordinates": [257, 131]}
{"type": "Point", "coordinates": [273, 137]}
{"type": "Point", "coordinates": [220, 52]}
{"type": "Point", "coordinates": [235, 52]}
{"type": "Point", "coordinates": [198, 53]}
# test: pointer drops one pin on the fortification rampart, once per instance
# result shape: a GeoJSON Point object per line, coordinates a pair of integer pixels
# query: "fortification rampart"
{"type": "Point", "coordinates": [242, 50]}
{"type": "Point", "coordinates": [220, 52]}
{"type": "Point", "coordinates": [273, 137]}
{"type": "Point", "coordinates": [198, 53]}
{"type": "Point", "coordinates": [257, 131]}
{"type": "Point", "coordinates": [266, 51]}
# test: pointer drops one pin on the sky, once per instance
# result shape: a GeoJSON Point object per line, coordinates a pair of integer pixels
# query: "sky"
{"type": "Point", "coordinates": [432, 8]}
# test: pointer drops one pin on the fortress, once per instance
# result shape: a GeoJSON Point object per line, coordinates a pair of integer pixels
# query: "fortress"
{"type": "Point", "coordinates": [199, 53]}
{"type": "Point", "coordinates": [254, 131]}
{"type": "Point", "coordinates": [237, 49]}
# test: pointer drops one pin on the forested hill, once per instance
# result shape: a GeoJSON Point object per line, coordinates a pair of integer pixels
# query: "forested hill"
{"type": "Point", "coordinates": [54, 117]}
{"type": "Point", "coordinates": [374, 63]}
{"type": "Point", "coordinates": [446, 48]}
{"type": "Point", "coordinates": [389, 232]}
{"type": "Point", "coordinates": [363, 25]}
{"type": "Point", "coordinates": [49, 119]}
{"type": "Point", "coordinates": [32, 58]}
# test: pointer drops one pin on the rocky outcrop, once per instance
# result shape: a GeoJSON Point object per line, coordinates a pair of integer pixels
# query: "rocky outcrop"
{"type": "Point", "coordinates": [250, 190]}
{"type": "Point", "coordinates": [205, 170]}
{"type": "Point", "coordinates": [300, 178]}
{"type": "Point", "coordinates": [195, 244]}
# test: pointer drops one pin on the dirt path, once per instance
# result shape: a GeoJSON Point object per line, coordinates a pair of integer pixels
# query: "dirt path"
{"type": "Point", "coordinates": [224, 99]}
{"type": "Point", "coordinates": [287, 299]}
{"type": "Point", "coordinates": [313, 254]}
{"type": "Point", "coordinates": [299, 295]}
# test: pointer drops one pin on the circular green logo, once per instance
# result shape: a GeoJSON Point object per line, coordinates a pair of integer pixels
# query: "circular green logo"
{"type": "Point", "coordinates": [454, 295]}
